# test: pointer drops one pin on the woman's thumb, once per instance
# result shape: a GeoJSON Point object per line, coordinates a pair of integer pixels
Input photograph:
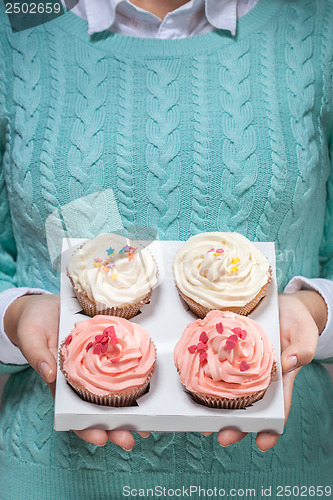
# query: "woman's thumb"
{"type": "Point", "coordinates": [299, 352]}
{"type": "Point", "coordinates": [38, 354]}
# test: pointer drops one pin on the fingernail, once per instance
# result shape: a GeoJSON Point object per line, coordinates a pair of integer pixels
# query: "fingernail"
{"type": "Point", "coordinates": [127, 449]}
{"type": "Point", "coordinates": [45, 370]}
{"type": "Point", "coordinates": [290, 363]}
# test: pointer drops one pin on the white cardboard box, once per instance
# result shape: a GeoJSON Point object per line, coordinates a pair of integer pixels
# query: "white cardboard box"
{"type": "Point", "coordinates": [167, 406]}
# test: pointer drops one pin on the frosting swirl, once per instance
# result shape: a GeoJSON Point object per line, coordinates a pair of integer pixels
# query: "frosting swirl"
{"type": "Point", "coordinates": [111, 271]}
{"type": "Point", "coordinates": [220, 270]}
{"type": "Point", "coordinates": [120, 367]}
{"type": "Point", "coordinates": [224, 355]}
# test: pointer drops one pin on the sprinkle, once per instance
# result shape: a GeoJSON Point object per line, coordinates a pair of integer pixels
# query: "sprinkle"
{"type": "Point", "coordinates": [97, 264]}
{"type": "Point", "coordinates": [113, 276]}
{"type": "Point", "coordinates": [98, 260]}
{"type": "Point", "coordinates": [89, 345]}
{"type": "Point", "coordinates": [231, 342]}
{"type": "Point", "coordinates": [244, 366]}
{"type": "Point", "coordinates": [122, 250]}
{"type": "Point", "coordinates": [97, 349]}
{"type": "Point", "coordinates": [109, 330]}
{"type": "Point", "coordinates": [202, 356]}
{"type": "Point", "coordinates": [130, 256]}
{"type": "Point", "coordinates": [203, 337]}
{"type": "Point", "coordinates": [234, 269]}
{"type": "Point", "coordinates": [192, 349]}
{"type": "Point", "coordinates": [236, 331]}
{"type": "Point", "coordinates": [201, 346]}
{"type": "Point", "coordinates": [110, 265]}
{"type": "Point", "coordinates": [113, 340]}
{"type": "Point", "coordinates": [211, 250]}
{"type": "Point", "coordinates": [104, 348]}
{"type": "Point", "coordinates": [110, 251]}
{"type": "Point", "coordinates": [219, 250]}
{"type": "Point", "coordinates": [115, 360]}
{"type": "Point", "coordinates": [219, 327]}
{"type": "Point", "coordinates": [235, 260]}
{"type": "Point", "coordinates": [242, 335]}
{"type": "Point", "coordinates": [98, 338]}
{"type": "Point", "coordinates": [68, 339]}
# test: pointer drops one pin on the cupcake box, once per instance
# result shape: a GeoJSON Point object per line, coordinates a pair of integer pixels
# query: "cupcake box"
{"type": "Point", "coordinates": [167, 406]}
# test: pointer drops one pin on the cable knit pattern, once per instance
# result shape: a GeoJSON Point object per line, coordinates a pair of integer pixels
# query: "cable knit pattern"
{"type": "Point", "coordinates": [161, 455]}
{"type": "Point", "coordinates": [163, 147]}
{"type": "Point", "coordinates": [125, 182]}
{"type": "Point", "coordinates": [211, 132]}
{"type": "Point", "coordinates": [301, 95]}
{"type": "Point", "coordinates": [85, 162]}
{"type": "Point", "coordinates": [239, 144]}
{"type": "Point", "coordinates": [57, 99]}
{"type": "Point", "coordinates": [201, 146]}
{"type": "Point", "coordinates": [26, 96]}
{"type": "Point", "coordinates": [276, 202]}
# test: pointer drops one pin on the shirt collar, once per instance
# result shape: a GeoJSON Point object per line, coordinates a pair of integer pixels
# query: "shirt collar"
{"type": "Point", "coordinates": [100, 14]}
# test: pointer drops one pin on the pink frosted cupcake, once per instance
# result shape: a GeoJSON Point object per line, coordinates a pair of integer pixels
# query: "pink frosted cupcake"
{"type": "Point", "coordinates": [108, 360]}
{"type": "Point", "coordinates": [225, 360]}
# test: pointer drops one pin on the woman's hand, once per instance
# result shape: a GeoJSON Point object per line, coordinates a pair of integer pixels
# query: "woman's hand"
{"type": "Point", "coordinates": [303, 317]}
{"type": "Point", "coordinates": [31, 323]}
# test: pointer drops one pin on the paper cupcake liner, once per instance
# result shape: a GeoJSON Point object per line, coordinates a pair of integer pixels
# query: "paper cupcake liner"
{"type": "Point", "coordinates": [202, 311]}
{"type": "Point", "coordinates": [235, 403]}
{"type": "Point", "coordinates": [115, 400]}
{"type": "Point", "coordinates": [126, 311]}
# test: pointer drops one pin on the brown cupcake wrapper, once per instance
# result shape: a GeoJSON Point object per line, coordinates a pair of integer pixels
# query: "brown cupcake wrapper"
{"type": "Point", "coordinates": [115, 400]}
{"type": "Point", "coordinates": [126, 311]}
{"type": "Point", "coordinates": [202, 311]}
{"type": "Point", "coordinates": [235, 403]}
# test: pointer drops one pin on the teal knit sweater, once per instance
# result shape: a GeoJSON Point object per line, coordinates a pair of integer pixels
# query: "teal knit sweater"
{"type": "Point", "coordinates": [201, 134]}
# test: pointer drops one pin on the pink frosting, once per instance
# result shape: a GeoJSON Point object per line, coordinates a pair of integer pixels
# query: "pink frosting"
{"type": "Point", "coordinates": [124, 366]}
{"type": "Point", "coordinates": [235, 360]}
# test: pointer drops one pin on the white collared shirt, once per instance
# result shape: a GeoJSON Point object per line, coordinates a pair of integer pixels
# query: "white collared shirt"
{"type": "Point", "coordinates": [195, 17]}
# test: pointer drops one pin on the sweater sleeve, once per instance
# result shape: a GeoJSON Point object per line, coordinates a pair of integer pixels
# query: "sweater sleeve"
{"type": "Point", "coordinates": [326, 249]}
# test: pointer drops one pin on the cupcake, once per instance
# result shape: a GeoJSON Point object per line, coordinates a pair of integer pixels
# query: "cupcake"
{"type": "Point", "coordinates": [225, 360]}
{"type": "Point", "coordinates": [108, 360]}
{"type": "Point", "coordinates": [112, 277]}
{"type": "Point", "coordinates": [221, 271]}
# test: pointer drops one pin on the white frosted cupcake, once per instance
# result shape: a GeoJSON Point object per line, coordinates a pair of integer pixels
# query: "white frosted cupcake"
{"type": "Point", "coordinates": [221, 271]}
{"type": "Point", "coordinates": [112, 277]}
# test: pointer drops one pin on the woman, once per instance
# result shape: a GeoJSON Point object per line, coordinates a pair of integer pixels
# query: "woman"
{"type": "Point", "coordinates": [208, 132]}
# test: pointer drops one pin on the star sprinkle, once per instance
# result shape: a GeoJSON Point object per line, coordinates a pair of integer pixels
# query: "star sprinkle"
{"type": "Point", "coordinates": [110, 251]}
{"type": "Point", "coordinates": [234, 269]}
{"type": "Point", "coordinates": [113, 276]}
{"type": "Point", "coordinates": [130, 256]}
{"type": "Point", "coordinates": [235, 260]}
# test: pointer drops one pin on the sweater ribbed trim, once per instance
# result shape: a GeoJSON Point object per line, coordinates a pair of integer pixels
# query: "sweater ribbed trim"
{"type": "Point", "coordinates": [259, 16]}
{"type": "Point", "coordinates": [24, 479]}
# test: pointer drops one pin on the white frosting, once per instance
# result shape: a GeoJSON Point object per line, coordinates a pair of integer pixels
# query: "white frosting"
{"type": "Point", "coordinates": [229, 277]}
{"type": "Point", "coordinates": [128, 279]}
